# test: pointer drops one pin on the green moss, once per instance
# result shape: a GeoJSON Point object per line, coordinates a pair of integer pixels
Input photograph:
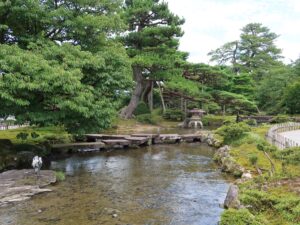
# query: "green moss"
{"type": "Point", "coordinates": [239, 217]}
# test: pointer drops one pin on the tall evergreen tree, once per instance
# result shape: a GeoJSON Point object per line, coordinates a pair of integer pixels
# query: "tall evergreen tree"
{"type": "Point", "coordinates": [254, 53]}
{"type": "Point", "coordinates": [152, 44]}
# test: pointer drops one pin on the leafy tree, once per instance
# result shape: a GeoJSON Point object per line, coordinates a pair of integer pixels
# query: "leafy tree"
{"type": "Point", "coordinates": [60, 62]}
{"type": "Point", "coordinates": [152, 43]}
{"type": "Point", "coordinates": [292, 99]}
{"type": "Point", "coordinates": [272, 88]}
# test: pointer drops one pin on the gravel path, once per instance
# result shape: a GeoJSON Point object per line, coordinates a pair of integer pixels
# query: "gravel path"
{"type": "Point", "coordinates": [292, 135]}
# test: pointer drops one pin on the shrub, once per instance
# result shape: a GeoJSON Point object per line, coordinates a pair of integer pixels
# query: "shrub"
{"type": "Point", "coordinates": [54, 139]}
{"type": "Point", "coordinates": [227, 122]}
{"type": "Point", "coordinates": [22, 135]}
{"type": "Point", "coordinates": [253, 159]}
{"type": "Point", "coordinates": [34, 135]}
{"type": "Point", "coordinates": [141, 109]}
{"type": "Point", "coordinates": [239, 217]}
{"type": "Point", "coordinates": [289, 155]}
{"type": "Point", "coordinates": [60, 176]}
{"type": "Point", "coordinates": [281, 119]}
{"type": "Point", "coordinates": [289, 208]}
{"type": "Point", "coordinates": [259, 200]}
{"type": "Point", "coordinates": [173, 115]}
{"type": "Point", "coordinates": [233, 131]}
{"type": "Point", "coordinates": [251, 122]}
{"type": "Point", "coordinates": [147, 119]}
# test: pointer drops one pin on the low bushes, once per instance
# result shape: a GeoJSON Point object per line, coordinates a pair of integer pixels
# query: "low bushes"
{"type": "Point", "coordinates": [281, 119]}
{"type": "Point", "coordinates": [233, 131]}
{"type": "Point", "coordinates": [173, 115]}
{"type": "Point", "coordinates": [147, 119]}
{"type": "Point", "coordinates": [141, 109]}
{"type": "Point", "coordinates": [239, 217]}
{"type": "Point", "coordinates": [290, 155]}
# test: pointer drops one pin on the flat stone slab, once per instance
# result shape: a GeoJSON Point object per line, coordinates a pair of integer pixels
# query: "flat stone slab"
{"type": "Point", "coordinates": [145, 135]}
{"type": "Point", "coordinates": [19, 185]}
{"type": "Point", "coordinates": [116, 142]}
{"type": "Point", "coordinates": [106, 136]}
{"type": "Point", "coordinates": [80, 145]}
{"type": "Point", "coordinates": [138, 140]}
{"type": "Point", "coordinates": [169, 136]}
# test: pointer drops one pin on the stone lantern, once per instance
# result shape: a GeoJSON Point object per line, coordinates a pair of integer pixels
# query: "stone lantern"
{"type": "Point", "coordinates": [195, 119]}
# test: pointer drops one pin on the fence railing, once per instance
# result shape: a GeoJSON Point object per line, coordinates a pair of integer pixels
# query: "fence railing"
{"type": "Point", "coordinates": [10, 127]}
{"type": "Point", "coordinates": [275, 137]}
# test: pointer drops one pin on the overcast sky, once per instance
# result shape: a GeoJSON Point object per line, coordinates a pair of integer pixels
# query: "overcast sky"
{"type": "Point", "coordinates": [211, 23]}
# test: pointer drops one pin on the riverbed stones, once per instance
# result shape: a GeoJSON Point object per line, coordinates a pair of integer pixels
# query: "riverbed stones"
{"type": "Point", "coordinates": [232, 198]}
{"type": "Point", "coordinates": [228, 164]}
{"type": "Point", "coordinates": [19, 185]}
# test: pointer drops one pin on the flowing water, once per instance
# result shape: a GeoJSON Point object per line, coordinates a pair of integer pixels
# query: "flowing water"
{"type": "Point", "coordinates": [160, 184]}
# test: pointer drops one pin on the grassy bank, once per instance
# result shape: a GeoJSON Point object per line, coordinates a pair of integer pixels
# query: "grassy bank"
{"type": "Point", "coordinates": [56, 134]}
{"type": "Point", "coordinates": [18, 146]}
{"type": "Point", "coordinates": [272, 197]}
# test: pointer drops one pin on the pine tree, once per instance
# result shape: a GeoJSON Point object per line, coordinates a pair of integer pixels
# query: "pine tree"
{"type": "Point", "coordinates": [152, 44]}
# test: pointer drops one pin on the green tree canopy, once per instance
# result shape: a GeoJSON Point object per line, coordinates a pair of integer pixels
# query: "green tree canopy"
{"type": "Point", "coordinates": [254, 53]}
{"type": "Point", "coordinates": [152, 44]}
{"type": "Point", "coordinates": [60, 62]}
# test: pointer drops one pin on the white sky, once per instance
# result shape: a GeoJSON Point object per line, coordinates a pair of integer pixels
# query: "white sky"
{"type": "Point", "coordinates": [211, 23]}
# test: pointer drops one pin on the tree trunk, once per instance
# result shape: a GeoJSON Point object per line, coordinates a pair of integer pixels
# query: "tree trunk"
{"type": "Point", "coordinates": [162, 98]}
{"type": "Point", "coordinates": [271, 162]}
{"type": "Point", "coordinates": [150, 98]}
{"type": "Point", "coordinates": [224, 110]}
{"type": "Point", "coordinates": [127, 112]}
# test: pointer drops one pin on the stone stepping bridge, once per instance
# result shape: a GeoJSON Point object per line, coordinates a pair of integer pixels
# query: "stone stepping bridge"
{"type": "Point", "coordinates": [98, 142]}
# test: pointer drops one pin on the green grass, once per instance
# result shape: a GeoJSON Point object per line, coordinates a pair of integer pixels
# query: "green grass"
{"type": "Point", "coordinates": [45, 133]}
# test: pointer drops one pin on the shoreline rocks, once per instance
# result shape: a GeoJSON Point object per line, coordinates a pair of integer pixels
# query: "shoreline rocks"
{"type": "Point", "coordinates": [20, 185]}
{"type": "Point", "coordinates": [232, 198]}
{"type": "Point", "coordinates": [228, 164]}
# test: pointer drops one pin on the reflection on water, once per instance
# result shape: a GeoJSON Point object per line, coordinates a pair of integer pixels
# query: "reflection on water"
{"type": "Point", "coordinates": [166, 184]}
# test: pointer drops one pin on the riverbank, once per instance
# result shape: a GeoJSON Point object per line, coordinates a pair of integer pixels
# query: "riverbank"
{"type": "Point", "coordinates": [271, 195]}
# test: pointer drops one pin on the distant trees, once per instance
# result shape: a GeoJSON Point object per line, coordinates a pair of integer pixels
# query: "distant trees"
{"type": "Point", "coordinates": [254, 53]}
{"type": "Point", "coordinates": [259, 74]}
{"type": "Point", "coordinates": [292, 98]}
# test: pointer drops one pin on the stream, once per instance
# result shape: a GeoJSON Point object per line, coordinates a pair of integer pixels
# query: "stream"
{"type": "Point", "coordinates": [155, 185]}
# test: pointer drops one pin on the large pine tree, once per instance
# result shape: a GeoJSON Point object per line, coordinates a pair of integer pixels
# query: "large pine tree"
{"type": "Point", "coordinates": [152, 44]}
